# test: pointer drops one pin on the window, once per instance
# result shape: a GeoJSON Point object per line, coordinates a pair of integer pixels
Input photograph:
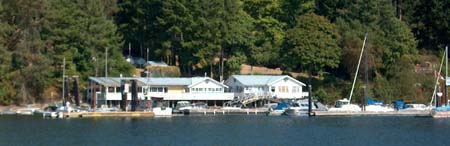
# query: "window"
{"type": "Point", "coordinates": [160, 89]}
{"type": "Point", "coordinates": [166, 89]}
{"type": "Point", "coordinates": [295, 89]}
{"type": "Point", "coordinates": [118, 89]}
{"type": "Point", "coordinates": [283, 89]}
{"type": "Point", "coordinates": [110, 89]}
{"type": "Point", "coordinates": [272, 89]}
{"type": "Point", "coordinates": [139, 89]}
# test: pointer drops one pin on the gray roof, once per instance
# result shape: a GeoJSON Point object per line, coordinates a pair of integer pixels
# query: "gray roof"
{"type": "Point", "coordinates": [164, 81]}
{"type": "Point", "coordinates": [260, 80]}
{"type": "Point", "coordinates": [156, 63]}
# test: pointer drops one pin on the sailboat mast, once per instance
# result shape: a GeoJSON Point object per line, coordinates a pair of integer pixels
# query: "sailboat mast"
{"type": "Point", "coordinates": [64, 80]}
{"type": "Point", "coordinates": [366, 87]}
{"type": "Point", "coordinates": [357, 68]}
{"type": "Point", "coordinates": [446, 74]}
{"type": "Point", "coordinates": [433, 97]}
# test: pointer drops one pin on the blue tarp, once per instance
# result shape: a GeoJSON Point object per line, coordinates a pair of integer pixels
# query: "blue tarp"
{"type": "Point", "coordinates": [399, 104]}
{"type": "Point", "coordinates": [370, 101]}
{"type": "Point", "coordinates": [282, 105]}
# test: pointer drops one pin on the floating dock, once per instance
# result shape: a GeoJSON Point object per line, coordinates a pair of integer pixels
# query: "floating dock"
{"type": "Point", "coordinates": [227, 112]}
{"type": "Point", "coordinates": [109, 114]}
{"type": "Point", "coordinates": [391, 113]}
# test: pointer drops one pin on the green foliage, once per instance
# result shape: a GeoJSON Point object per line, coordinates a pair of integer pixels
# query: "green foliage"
{"type": "Point", "coordinates": [211, 36]}
{"type": "Point", "coordinates": [430, 22]}
{"type": "Point", "coordinates": [312, 43]}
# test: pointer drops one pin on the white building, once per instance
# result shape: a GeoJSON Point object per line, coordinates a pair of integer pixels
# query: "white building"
{"type": "Point", "coordinates": [204, 89]}
{"type": "Point", "coordinates": [276, 86]}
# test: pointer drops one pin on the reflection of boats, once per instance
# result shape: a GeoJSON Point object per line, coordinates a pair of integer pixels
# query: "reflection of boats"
{"type": "Point", "coordinates": [279, 109]}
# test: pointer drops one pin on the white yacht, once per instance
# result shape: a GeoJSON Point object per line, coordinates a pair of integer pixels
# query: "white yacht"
{"type": "Point", "coordinates": [344, 105]}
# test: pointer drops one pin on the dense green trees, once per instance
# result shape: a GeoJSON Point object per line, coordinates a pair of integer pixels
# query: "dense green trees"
{"type": "Point", "coordinates": [37, 35]}
{"type": "Point", "coordinates": [217, 36]}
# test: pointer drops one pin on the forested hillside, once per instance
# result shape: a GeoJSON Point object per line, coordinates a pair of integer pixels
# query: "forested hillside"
{"type": "Point", "coordinates": [323, 37]}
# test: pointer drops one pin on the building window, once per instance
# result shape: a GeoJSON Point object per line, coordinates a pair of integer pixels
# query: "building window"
{"type": "Point", "coordinates": [139, 89]}
{"type": "Point", "coordinates": [272, 89]}
{"type": "Point", "coordinates": [283, 89]}
{"type": "Point", "coordinates": [166, 89]}
{"type": "Point", "coordinates": [295, 89]}
{"type": "Point", "coordinates": [110, 89]}
{"type": "Point", "coordinates": [118, 89]}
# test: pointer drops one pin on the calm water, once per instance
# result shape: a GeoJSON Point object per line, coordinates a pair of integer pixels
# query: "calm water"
{"type": "Point", "coordinates": [225, 130]}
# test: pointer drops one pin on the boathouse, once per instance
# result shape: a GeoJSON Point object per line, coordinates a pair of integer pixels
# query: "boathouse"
{"type": "Point", "coordinates": [171, 90]}
{"type": "Point", "coordinates": [272, 86]}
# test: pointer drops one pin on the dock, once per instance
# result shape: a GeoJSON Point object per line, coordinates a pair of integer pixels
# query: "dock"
{"type": "Point", "coordinates": [390, 113]}
{"type": "Point", "coordinates": [227, 112]}
{"type": "Point", "coordinates": [108, 114]}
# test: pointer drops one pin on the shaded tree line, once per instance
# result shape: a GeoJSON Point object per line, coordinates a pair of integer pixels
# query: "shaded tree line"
{"type": "Point", "coordinates": [322, 37]}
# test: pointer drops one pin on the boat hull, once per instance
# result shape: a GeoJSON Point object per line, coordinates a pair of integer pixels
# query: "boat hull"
{"type": "Point", "coordinates": [440, 114]}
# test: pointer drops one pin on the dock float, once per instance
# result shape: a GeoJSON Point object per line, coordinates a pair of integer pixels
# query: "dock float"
{"type": "Point", "coordinates": [227, 112]}
{"type": "Point", "coordinates": [109, 114]}
{"type": "Point", "coordinates": [390, 113]}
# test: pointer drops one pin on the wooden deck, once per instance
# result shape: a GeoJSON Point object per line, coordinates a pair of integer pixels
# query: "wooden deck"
{"type": "Point", "coordinates": [393, 113]}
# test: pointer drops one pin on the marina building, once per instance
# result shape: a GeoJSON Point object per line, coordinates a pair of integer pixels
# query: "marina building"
{"type": "Point", "coordinates": [269, 86]}
{"type": "Point", "coordinates": [107, 90]}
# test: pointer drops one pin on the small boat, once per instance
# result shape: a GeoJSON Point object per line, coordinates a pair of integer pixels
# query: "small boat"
{"type": "Point", "coordinates": [300, 108]}
{"type": "Point", "coordinates": [441, 112]}
{"type": "Point", "coordinates": [279, 109]}
{"type": "Point", "coordinates": [8, 112]}
{"type": "Point", "coordinates": [162, 111]}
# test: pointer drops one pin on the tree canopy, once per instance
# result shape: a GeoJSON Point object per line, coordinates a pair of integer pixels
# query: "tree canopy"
{"type": "Point", "coordinates": [217, 37]}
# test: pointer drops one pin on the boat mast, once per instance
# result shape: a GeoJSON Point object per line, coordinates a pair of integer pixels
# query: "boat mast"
{"type": "Point", "coordinates": [357, 68]}
{"type": "Point", "coordinates": [366, 87]}
{"type": "Point", "coordinates": [446, 74]}
{"type": "Point", "coordinates": [64, 79]}
{"type": "Point", "coordinates": [437, 80]}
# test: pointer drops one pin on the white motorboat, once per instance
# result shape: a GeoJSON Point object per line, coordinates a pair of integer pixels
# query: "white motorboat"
{"type": "Point", "coordinates": [299, 108]}
{"type": "Point", "coordinates": [279, 109]}
{"type": "Point", "coordinates": [162, 111]}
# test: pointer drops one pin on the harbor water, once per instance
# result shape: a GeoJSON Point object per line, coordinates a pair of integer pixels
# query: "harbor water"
{"type": "Point", "coordinates": [225, 130]}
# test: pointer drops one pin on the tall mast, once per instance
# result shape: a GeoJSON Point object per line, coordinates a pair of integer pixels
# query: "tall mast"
{"type": "Point", "coordinates": [433, 97]}
{"type": "Point", "coordinates": [106, 62]}
{"type": "Point", "coordinates": [64, 79]}
{"type": "Point", "coordinates": [446, 74]}
{"type": "Point", "coordinates": [357, 68]}
{"type": "Point", "coordinates": [366, 88]}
